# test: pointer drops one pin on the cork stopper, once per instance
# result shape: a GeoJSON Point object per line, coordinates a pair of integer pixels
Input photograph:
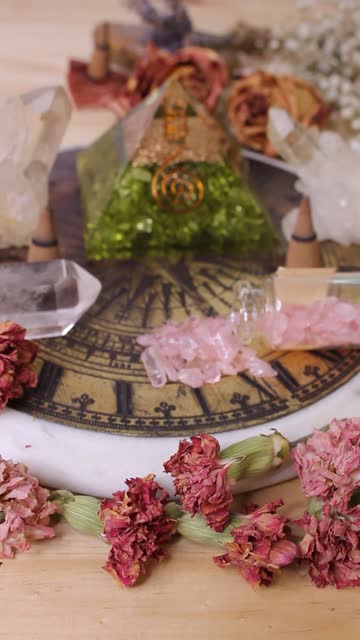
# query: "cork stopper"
{"type": "Point", "coordinates": [44, 245]}
{"type": "Point", "coordinates": [98, 67]}
{"type": "Point", "coordinates": [303, 248]}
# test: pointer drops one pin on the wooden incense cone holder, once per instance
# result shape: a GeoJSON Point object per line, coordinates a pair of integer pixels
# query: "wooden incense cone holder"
{"type": "Point", "coordinates": [99, 65]}
{"type": "Point", "coordinates": [44, 244]}
{"type": "Point", "coordinates": [303, 248]}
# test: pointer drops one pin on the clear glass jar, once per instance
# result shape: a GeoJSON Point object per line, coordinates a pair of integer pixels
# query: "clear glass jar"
{"type": "Point", "coordinates": [299, 309]}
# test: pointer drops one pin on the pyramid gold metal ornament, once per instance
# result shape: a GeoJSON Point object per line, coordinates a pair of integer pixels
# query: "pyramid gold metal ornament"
{"type": "Point", "coordinates": [172, 188]}
{"type": "Point", "coordinates": [167, 179]}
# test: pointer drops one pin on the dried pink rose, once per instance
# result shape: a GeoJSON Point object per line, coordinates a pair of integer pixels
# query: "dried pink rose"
{"type": "Point", "coordinates": [201, 479]}
{"type": "Point", "coordinates": [16, 355]}
{"type": "Point", "coordinates": [24, 509]}
{"type": "Point", "coordinates": [261, 545]}
{"type": "Point", "coordinates": [331, 544]}
{"type": "Point", "coordinates": [328, 463]}
{"type": "Point", "coordinates": [137, 527]}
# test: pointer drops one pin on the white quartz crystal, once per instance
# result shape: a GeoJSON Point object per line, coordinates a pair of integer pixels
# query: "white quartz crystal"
{"type": "Point", "coordinates": [328, 168]}
{"type": "Point", "coordinates": [31, 129]}
{"type": "Point", "coordinates": [47, 298]}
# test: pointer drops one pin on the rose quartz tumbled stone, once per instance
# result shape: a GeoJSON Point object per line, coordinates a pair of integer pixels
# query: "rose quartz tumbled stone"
{"type": "Point", "coordinates": [324, 323]}
{"type": "Point", "coordinates": [197, 351]}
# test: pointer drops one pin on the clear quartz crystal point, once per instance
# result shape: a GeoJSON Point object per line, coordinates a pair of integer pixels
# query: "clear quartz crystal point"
{"type": "Point", "coordinates": [154, 367]}
{"type": "Point", "coordinates": [249, 304]}
{"type": "Point", "coordinates": [47, 298]}
{"type": "Point", "coordinates": [32, 126]}
{"type": "Point", "coordinates": [328, 168]}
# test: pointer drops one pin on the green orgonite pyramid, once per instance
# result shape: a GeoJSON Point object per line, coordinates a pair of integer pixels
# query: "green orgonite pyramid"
{"type": "Point", "coordinates": [165, 179]}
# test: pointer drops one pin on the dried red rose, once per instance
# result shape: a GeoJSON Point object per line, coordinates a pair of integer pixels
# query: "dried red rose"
{"type": "Point", "coordinates": [201, 479]}
{"type": "Point", "coordinates": [137, 527]}
{"type": "Point", "coordinates": [16, 354]}
{"type": "Point", "coordinates": [261, 546]}
{"type": "Point", "coordinates": [209, 74]}
{"type": "Point", "coordinates": [202, 72]}
{"type": "Point", "coordinates": [328, 463]}
{"type": "Point", "coordinates": [251, 97]}
{"type": "Point", "coordinates": [24, 509]}
{"type": "Point", "coordinates": [331, 544]}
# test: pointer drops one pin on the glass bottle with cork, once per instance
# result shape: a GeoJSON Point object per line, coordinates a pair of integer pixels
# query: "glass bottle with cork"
{"type": "Point", "coordinates": [299, 309]}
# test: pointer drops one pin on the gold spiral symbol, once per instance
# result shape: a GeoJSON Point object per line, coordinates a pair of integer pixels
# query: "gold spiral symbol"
{"type": "Point", "coordinates": [177, 190]}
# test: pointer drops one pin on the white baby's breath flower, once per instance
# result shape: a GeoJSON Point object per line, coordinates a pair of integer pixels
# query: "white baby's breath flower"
{"type": "Point", "coordinates": [324, 49]}
{"type": "Point", "coordinates": [347, 113]}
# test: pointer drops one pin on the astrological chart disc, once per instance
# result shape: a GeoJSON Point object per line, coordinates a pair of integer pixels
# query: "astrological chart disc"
{"type": "Point", "coordinates": [93, 377]}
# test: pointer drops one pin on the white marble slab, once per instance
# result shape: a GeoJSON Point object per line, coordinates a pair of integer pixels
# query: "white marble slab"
{"type": "Point", "coordinates": [97, 463]}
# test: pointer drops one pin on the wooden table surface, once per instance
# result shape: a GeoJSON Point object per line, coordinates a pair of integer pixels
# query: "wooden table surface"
{"type": "Point", "coordinates": [58, 590]}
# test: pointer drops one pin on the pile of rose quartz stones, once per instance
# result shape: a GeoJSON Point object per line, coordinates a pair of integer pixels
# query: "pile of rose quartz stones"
{"type": "Point", "coordinates": [202, 350]}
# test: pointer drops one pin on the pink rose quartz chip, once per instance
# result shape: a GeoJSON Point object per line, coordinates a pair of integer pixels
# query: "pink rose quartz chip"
{"type": "Point", "coordinates": [197, 351]}
{"type": "Point", "coordinates": [324, 323]}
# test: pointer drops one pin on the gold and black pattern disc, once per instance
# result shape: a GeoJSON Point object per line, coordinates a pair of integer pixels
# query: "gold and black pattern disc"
{"type": "Point", "coordinates": [93, 377]}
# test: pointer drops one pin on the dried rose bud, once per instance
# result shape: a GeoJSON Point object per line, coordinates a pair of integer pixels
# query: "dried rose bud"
{"type": "Point", "coordinates": [257, 543]}
{"type": "Point", "coordinates": [16, 356]}
{"type": "Point", "coordinates": [25, 509]}
{"type": "Point", "coordinates": [137, 527]}
{"type": "Point", "coordinates": [331, 545]}
{"type": "Point", "coordinates": [200, 478]}
{"type": "Point", "coordinates": [204, 476]}
{"type": "Point", "coordinates": [328, 463]}
{"type": "Point", "coordinates": [260, 545]}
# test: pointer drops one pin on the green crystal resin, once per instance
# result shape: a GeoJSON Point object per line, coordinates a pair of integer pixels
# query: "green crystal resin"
{"type": "Point", "coordinates": [228, 219]}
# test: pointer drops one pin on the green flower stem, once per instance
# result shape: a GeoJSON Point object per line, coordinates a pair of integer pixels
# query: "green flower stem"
{"type": "Point", "coordinates": [81, 512]}
{"type": "Point", "coordinates": [194, 528]}
{"type": "Point", "coordinates": [255, 456]}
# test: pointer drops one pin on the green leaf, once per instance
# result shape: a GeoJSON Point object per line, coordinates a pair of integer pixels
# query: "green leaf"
{"type": "Point", "coordinates": [195, 529]}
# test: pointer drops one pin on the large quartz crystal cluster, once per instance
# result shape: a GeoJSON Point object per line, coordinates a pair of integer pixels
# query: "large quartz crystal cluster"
{"type": "Point", "coordinates": [47, 298]}
{"type": "Point", "coordinates": [31, 129]}
{"type": "Point", "coordinates": [328, 168]}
